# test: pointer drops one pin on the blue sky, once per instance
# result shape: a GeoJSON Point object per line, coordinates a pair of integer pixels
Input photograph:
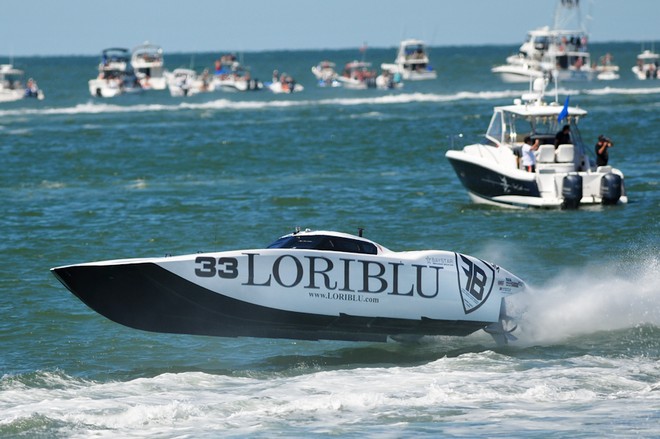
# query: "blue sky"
{"type": "Point", "coordinates": [85, 27]}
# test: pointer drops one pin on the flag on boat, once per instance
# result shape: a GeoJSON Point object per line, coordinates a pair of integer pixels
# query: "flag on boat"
{"type": "Point", "coordinates": [564, 111]}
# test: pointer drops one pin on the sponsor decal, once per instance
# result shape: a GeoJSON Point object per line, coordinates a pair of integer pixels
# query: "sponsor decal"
{"type": "Point", "coordinates": [342, 275]}
{"type": "Point", "coordinates": [475, 281]}
{"type": "Point", "coordinates": [440, 261]}
{"type": "Point", "coordinates": [507, 284]}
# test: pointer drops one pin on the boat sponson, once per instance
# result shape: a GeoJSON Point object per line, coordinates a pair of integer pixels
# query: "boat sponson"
{"type": "Point", "coordinates": [146, 296]}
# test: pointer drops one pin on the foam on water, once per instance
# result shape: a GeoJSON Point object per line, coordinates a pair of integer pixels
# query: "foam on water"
{"type": "Point", "coordinates": [623, 91]}
{"type": "Point", "coordinates": [226, 104]}
{"type": "Point", "coordinates": [474, 388]}
{"type": "Point", "coordinates": [587, 300]}
{"type": "Point", "coordinates": [92, 107]}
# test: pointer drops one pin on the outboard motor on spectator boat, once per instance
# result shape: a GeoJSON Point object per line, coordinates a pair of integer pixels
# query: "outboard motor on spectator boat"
{"type": "Point", "coordinates": [610, 188]}
{"type": "Point", "coordinates": [571, 191]}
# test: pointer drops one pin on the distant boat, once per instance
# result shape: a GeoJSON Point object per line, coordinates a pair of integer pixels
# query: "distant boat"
{"type": "Point", "coordinates": [230, 75]}
{"type": "Point", "coordinates": [148, 63]}
{"type": "Point", "coordinates": [525, 66]}
{"type": "Point", "coordinates": [358, 75]}
{"type": "Point", "coordinates": [12, 87]}
{"type": "Point", "coordinates": [325, 74]}
{"type": "Point", "coordinates": [412, 62]}
{"type": "Point", "coordinates": [647, 65]}
{"type": "Point", "coordinates": [606, 69]}
{"type": "Point", "coordinates": [116, 75]}
{"type": "Point", "coordinates": [559, 52]}
{"type": "Point", "coordinates": [284, 83]}
{"type": "Point", "coordinates": [186, 82]}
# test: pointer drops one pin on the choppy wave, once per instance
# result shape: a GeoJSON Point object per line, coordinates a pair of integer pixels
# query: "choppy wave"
{"type": "Point", "coordinates": [442, 394]}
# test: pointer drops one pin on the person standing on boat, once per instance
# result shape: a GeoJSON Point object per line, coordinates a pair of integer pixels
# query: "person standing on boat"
{"type": "Point", "coordinates": [602, 156]}
{"type": "Point", "coordinates": [528, 156]}
{"type": "Point", "coordinates": [563, 136]}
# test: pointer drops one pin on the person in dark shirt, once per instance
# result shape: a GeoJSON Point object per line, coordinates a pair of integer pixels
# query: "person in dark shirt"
{"type": "Point", "coordinates": [563, 136]}
{"type": "Point", "coordinates": [602, 147]}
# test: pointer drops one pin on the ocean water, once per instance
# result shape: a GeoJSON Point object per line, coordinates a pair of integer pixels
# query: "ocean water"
{"type": "Point", "coordinates": [86, 179]}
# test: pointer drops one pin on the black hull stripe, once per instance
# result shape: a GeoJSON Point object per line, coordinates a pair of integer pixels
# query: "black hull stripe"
{"type": "Point", "coordinates": [147, 297]}
{"type": "Point", "coordinates": [488, 184]}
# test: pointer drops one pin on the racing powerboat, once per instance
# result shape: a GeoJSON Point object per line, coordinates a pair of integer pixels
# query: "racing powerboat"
{"type": "Point", "coordinates": [306, 285]}
{"type": "Point", "coordinates": [647, 65]}
{"type": "Point", "coordinates": [412, 62]}
{"type": "Point", "coordinates": [116, 75]}
{"type": "Point", "coordinates": [565, 175]}
{"type": "Point", "coordinates": [148, 63]}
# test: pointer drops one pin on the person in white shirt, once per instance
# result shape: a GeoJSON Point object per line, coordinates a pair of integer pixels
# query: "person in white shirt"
{"type": "Point", "coordinates": [528, 157]}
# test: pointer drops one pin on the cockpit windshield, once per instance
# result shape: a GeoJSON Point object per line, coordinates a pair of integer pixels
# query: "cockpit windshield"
{"type": "Point", "coordinates": [324, 242]}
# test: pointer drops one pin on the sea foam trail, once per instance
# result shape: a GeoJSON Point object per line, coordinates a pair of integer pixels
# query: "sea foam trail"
{"type": "Point", "coordinates": [390, 99]}
{"type": "Point", "coordinates": [580, 302]}
{"type": "Point", "coordinates": [226, 104]}
{"type": "Point", "coordinates": [623, 91]}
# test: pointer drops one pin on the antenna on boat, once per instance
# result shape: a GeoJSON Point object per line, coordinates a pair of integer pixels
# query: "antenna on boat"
{"type": "Point", "coordinates": [360, 231]}
{"type": "Point", "coordinates": [363, 50]}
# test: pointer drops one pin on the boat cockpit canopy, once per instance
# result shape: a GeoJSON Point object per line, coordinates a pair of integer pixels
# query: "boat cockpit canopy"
{"type": "Point", "coordinates": [508, 127]}
{"type": "Point", "coordinates": [325, 242]}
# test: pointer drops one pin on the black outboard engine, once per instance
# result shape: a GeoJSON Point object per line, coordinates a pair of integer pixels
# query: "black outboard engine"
{"type": "Point", "coordinates": [571, 191]}
{"type": "Point", "coordinates": [610, 188]}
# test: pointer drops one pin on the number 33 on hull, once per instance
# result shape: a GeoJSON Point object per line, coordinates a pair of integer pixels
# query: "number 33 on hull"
{"type": "Point", "coordinates": [306, 285]}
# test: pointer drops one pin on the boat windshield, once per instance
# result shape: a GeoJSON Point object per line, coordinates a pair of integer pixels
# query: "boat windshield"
{"type": "Point", "coordinates": [324, 242]}
{"type": "Point", "coordinates": [496, 128]}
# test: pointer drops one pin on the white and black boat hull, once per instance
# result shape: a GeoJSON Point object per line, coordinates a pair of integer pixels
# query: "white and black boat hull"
{"type": "Point", "coordinates": [296, 295]}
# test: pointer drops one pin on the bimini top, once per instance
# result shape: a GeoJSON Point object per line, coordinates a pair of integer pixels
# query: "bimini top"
{"type": "Point", "coordinates": [540, 109]}
{"type": "Point", "coordinates": [329, 241]}
{"type": "Point", "coordinates": [533, 104]}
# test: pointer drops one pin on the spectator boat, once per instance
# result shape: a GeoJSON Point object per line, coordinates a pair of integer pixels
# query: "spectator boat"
{"type": "Point", "coordinates": [412, 62]}
{"type": "Point", "coordinates": [116, 75]}
{"type": "Point", "coordinates": [565, 174]}
{"type": "Point", "coordinates": [12, 87]}
{"type": "Point", "coordinates": [149, 66]}
{"type": "Point", "coordinates": [186, 82]}
{"type": "Point", "coordinates": [647, 65]}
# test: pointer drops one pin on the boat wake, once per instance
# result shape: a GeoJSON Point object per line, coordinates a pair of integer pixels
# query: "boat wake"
{"type": "Point", "coordinates": [227, 104]}
{"type": "Point", "coordinates": [91, 107]}
{"type": "Point", "coordinates": [577, 303]}
{"type": "Point", "coordinates": [623, 91]}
